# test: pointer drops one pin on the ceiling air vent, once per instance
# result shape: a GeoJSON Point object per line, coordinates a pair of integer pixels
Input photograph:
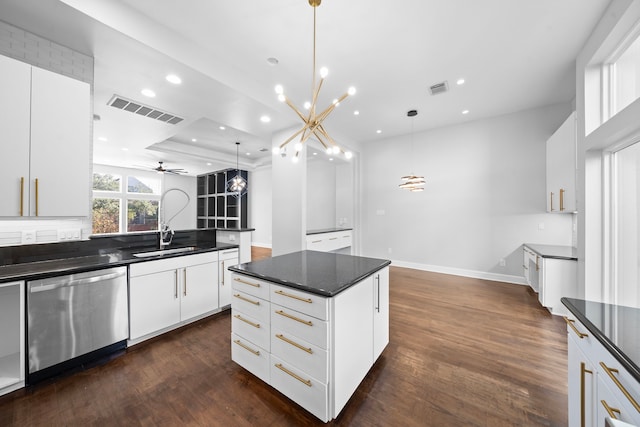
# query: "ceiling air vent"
{"type": "Point", "coordinates": [144, 110]}
{"type": "Point", "coordinates": [439, 88]}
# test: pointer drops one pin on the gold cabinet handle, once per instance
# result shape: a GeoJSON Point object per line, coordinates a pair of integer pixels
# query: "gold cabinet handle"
{"type": "Point", "coordinates": [561, 199]}
{"type": "Point", "coordinates": [247, 321]}
{"type": "Point", "coordinates": [537, 263]}
{"type": "Point", "coordinates": [184, 275]}
{"type": "Point", "coordinates": [284, 294]}
{"type": "Point", "coordinates": [255, 285]}
{"type": "Point", "coordinates": [333, 238]}
{"type": "Point", "coordinates": [610, 372]}
{"type": "Point", "coordinates": [295, 344]}
{"type": "Point", "coordinates": [571, 322]}
{"type": "Point", "coordinates": [175, 284]}
{"type": "Point", "coordinates": [297, 319]}
{"type": "Point", "coordinates": [22, 196]}
{"type": "Point", "coordinates": [294, 375]}
{"type": "Point", "coordinates": [611, 411]}
{"type": "Point", "coordinates": [583, 370]}
{"type": "Point", "coordinates": [247, 299]}
{"type": "Point", "coordinates": [246, 347]}
{"type": "Point", "coordinates": [36, 196]}
{"type": "Point", "coordinates": [552, 202]}
{"type": "Point", "coordinates": [222, 273]}
{"type": "Point", "coordinates": [316, 241]}
{"type": "Point", "coordinates": [525, 267]}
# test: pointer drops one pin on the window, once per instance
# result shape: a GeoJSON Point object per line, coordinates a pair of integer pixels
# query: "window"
{"type": "Point", "coordinates": [131, 209]}
{"type": "Point", "coordinates": [625, 77]}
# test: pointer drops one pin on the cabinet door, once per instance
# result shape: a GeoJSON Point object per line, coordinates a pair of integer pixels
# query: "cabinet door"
{"type": "Point", "coordinates": [154, 303]}
{"type": "Point", "coordinates": [558, 278]}
{"type": "Point", "coordinates": [609, 405]}
{"type": "Point", "coordinates": [199, 289]}
{"type": "Point", "coordinates": [380, 311]}
{"type": "Point", "coordinates": [225, 280]}
{"type": "Point", "coordinates": [60, 145]}
{"type": "Point", "coordinates": [582, 381]}
{"type": "Point", "coordinates": [15, 87]}
{"type": "Point", "coordinates": [561, 168]}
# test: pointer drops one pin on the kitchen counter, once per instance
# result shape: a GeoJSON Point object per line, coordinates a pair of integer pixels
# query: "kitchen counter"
{"type": "Point", "coordinates": [30, 262]}
{"type": "Point", "coordinates": [327, 230]}
{"type": "Point", "coordinates": [554, 251]}
{"type": "Point", "coordinates": [615, 327]}
{"type": "Point", "coordinates": [320, 273]}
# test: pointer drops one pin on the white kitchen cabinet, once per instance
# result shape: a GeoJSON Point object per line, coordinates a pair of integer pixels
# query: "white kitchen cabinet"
{"type": "Point", "coordinates": [557, 278]}
{"type": "Point", "coordinates": [320, 348]}
{"type": "Point", "coordinates": [599, 386]}
{"type": "Point", "coordinates": [561, 168]}
{"type": "Point", "coordinates": [12, 332]}
{"type": "Point", "coordinates": [45, 125]}
{"type": "Point", "coordinates": [168, 293]}
{"type": "Point", "coordinates": [227, 259]}
{"type": "Point", "coordinates": [329, 241]}
{"type": "Point", "coordinates": [531, 268]}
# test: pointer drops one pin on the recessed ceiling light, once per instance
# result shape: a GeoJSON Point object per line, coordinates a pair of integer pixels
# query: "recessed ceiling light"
{"type": "Point", "coordinates": [356, 113]}
{"type": "Point", "coordinates": [102, 138]}
{"type": "Point", "coordinates": [460, 81]}
{"type": "Point", "coordinates": [125, 149]}
{"type": "Point", "coordinates": [379, 131]}
{"type": "Point", "coordinates": [465, 111]}
{"type": "Point", "coordinates": [331, 159]}
{"type": "Point", "coordinates": [272, 61]}
{"type": "Point", "coordinates": [208, 164]}
{"type": "Point", "coordinates": [194, 140]}
{"type": "Point", "coordinates": [222, 128]}
{"type": "Point", "coordinates": [172, 78]}
{"type": "Point", "coordinates": [315, 154]}
{"type": "Point", "coordinates": [148, 92]}
{"type": "Point", "coordinates": [248, 154]}
{"type": "Point", "coordinates": [265, 119]}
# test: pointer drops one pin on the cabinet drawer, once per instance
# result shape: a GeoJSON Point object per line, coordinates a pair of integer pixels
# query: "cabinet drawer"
{"type": "Point", "coordinates": [249, 285]}
{"type": "Point", "coordinates": [583, 337]}
{"type": "Point", "coordinates": [251, 329]}
{"type": "Point", "coordinates": [301, 354]}
{"type": "Point", "coordinates": [300, 325]}
{"type": "Point", "coordinates": [252, 306]}
{"type": "Point", "coordinates": [149, 267]}
{"type": "Point", "coordinates": [304, 302]}
{"type": "Point", "coordinates": [228, 254]}
{"type": "Point", "coordinates": [618, 380]}
{"type": "Point", "coordinates": [609, 399]}
{"type": "Point", "coordinates": [251, 357]}
{"type": "Point", "coordinates": [298, 386]}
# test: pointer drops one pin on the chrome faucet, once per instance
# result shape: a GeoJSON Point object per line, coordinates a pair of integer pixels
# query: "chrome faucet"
{"type": "Point", "coordinates": [166, 233]}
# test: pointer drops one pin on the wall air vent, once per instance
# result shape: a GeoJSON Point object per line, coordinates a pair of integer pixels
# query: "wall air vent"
{"type": "Point", "coordinates": [439, 88]}
{"type": "Point", "coordinates": [144, 110]}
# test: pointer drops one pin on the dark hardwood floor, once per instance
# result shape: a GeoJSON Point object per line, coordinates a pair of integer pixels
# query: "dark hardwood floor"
{"type": "Point", "coordinates": [463, 352]}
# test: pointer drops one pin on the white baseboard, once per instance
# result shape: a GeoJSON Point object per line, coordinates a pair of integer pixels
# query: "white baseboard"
{"type": "Point", "coordinates": [261, 245]}
{"type": "Point", "coordinates": [508, 278]}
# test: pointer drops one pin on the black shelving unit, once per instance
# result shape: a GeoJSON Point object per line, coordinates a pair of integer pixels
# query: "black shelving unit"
{"type": "Point", "coordinates": [218, 208]}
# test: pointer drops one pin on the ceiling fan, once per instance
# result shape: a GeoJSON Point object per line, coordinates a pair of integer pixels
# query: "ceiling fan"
{"type": "Point", "coordinates": [161, 169]}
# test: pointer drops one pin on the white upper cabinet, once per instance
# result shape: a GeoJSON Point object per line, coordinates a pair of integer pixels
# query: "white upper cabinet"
{"type": "Point", "coordinates": [45, 139]}
{"type": "Point", "coordinates": [561, 168]}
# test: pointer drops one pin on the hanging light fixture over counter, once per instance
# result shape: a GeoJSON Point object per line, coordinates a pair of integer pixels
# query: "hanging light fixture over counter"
{"type": "Point", "coordinates": [412, 182]}
{"type": "Point", "coordinates": [237, 184]}
{"type": "Point", "coordinates": [313, 120]}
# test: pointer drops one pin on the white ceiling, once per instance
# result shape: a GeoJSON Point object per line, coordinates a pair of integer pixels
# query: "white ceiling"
{"type": "Point", "coordinates": [513, 55]}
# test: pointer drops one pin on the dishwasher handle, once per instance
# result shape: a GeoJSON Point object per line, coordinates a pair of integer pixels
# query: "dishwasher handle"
{"type": "Point", "coordinates": [76, 282]}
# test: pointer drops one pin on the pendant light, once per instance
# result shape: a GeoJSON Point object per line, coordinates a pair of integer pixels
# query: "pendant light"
{"type": "Point", "coordinates": [412, 182]}
{"type": "Point", "coordinates": [237, 185]}
{"type": "Point", "coordinates": [313, 121]}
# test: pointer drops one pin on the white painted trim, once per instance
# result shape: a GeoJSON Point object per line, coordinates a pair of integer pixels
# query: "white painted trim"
{"type": "Point", "coordinates": [496, 277]}
{"type": "Point", "coordinates": [261, 245]}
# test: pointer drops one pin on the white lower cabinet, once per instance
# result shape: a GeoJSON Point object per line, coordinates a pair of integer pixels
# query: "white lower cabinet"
{"type": "Point", "coordinates": [168, 293]}
{"type": "Point", "coordinates": [12, 334]}
{"type": "Point", "coordinates": [226, 259]}
{"type": "Point", "coordinates": [599, 386]}
{"type": "Point", "coordinates": [319, 349]}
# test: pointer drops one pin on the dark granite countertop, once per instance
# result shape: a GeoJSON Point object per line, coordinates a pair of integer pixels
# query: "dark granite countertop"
{"type": "Point", "coordinates": [554, 251]}
{"type": "Point", "coordinates": [615, 326]}
{"type": "Point", "coordinates": [241, 230]}
{"type": "Point", "coordinates": [27, 262]}
{"type": "Point", "coordinates": [327, 230]}
{"type": "Point", "coordinates": [322, 273]}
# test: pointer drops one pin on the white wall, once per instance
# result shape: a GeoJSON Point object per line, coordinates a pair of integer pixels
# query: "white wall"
{"type": "Point", "coordinates": [260, 206]}
{"type": "Point", "coordinates": [485, 196]}
{"type": "Point", "coordinates": [321, 195]}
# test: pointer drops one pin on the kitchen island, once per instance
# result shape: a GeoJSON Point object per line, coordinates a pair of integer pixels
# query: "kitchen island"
{"type": "Point", "coordinates": [311, 324]}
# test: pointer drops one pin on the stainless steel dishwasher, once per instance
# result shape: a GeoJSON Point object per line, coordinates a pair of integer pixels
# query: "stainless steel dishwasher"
{"type": "Point", "coordinates": [74, 319]}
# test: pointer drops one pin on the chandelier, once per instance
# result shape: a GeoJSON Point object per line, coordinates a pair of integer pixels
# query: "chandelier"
{"type": "Point", "coordinates": [412, 182]}
{"type": "Point", "coordinates": [237, 184]}
{"type": "Point", "coordinates": [313, 120]}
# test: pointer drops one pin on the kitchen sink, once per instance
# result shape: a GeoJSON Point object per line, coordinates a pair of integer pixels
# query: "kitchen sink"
{"type": "Point", "coordinates": [164, 252]}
